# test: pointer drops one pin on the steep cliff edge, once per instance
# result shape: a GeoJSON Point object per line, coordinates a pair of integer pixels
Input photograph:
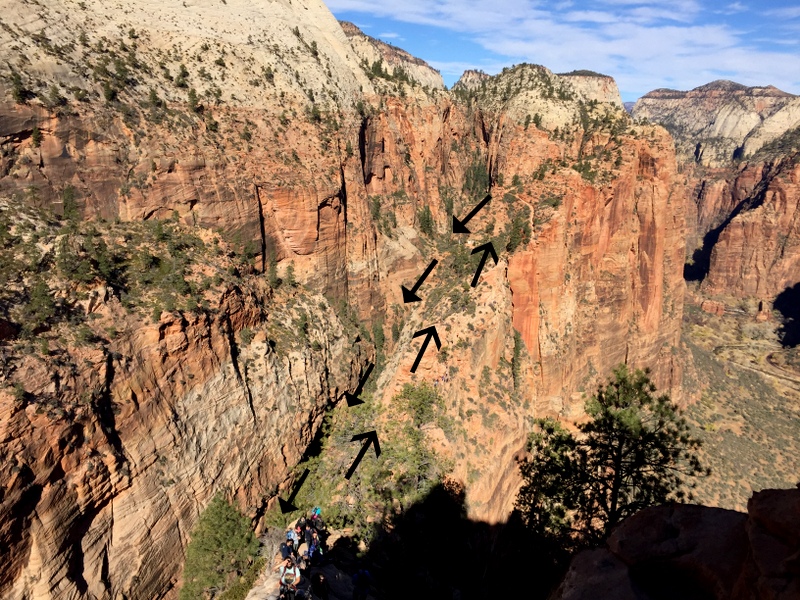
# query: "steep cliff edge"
{"type": "Point", "coordinates": [281, 139]}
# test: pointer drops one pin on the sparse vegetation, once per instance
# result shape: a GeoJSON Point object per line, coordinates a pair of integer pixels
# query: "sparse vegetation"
{"type": "Point", "coordinates": [222, 544]}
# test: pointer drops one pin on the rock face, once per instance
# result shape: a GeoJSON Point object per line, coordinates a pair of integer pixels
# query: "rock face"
{"type": "Point", "coordinates": [737, 149]}
{"type": "Point", "coordinates": [290, 145]}
{"type": "Point", "coordinates": [757, 253]}
{"type": "Point", "coordinates": [594, 86]}
{"type": "Point", "coordinates": [99, 496]}
{"type": "Point", "coordinates": [722, 121]}
{"type": "Point", "coordinates": [371, 50]}
{"type": "Point", "coordinates": [696, 552]}
{"type": "Point", "coordinates": [470, 80]}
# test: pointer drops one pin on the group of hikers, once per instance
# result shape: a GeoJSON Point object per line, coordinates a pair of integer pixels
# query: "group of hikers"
{"type": "Point", "coordinates": [302, 550]}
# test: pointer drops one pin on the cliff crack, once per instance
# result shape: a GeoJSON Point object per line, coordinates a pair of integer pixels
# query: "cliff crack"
{"type": "Point", "coordinates": [234, 352]}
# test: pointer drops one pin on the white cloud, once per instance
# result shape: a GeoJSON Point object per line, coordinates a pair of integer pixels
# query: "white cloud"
{"type": "Point", "coordinates": [390, 35]}
{"type": "Point", "coordinates": [735, 8]}
{"type": "Point", "coordinates": [642, 44]}
{"type": "Point", "coordinates": [790, 12]}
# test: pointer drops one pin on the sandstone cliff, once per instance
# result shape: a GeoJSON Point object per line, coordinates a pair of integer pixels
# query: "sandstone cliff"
{"type": "Point", "coordinates": [722, 121]}
{"type": "Point", "coordinates": [695, 551]}
{"type": "Point", "coordinates": [736, 149]}
{"type": "Point", "coordinates": [288, 147]}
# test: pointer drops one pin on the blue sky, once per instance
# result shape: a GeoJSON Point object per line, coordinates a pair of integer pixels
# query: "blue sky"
{"type": "Point", "coordinates": [643, 44]}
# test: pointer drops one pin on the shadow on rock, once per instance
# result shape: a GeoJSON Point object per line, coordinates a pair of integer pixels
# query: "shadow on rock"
{"type": "Point", "coordinates": [788, 304]}
{"type": "Point", "coordinates": [434, 551]}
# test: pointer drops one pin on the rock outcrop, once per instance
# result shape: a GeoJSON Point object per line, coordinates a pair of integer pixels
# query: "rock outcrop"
{"type": "Point", "coordinates": [594, 86]}
{"type": "Point", "coordinates": [721, 122]}
{"type": "Point", "coordinates": [696, 552]}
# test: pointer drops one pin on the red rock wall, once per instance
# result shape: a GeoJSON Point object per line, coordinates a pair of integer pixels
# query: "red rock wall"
{"type": "Point", "coordinates": [758, 251]}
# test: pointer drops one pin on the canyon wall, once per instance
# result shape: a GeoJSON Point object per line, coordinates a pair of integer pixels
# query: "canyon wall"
{"type": "Point", "coordinates": [351, 178]}
{"type": "Point", "coordinates": [737, 151]}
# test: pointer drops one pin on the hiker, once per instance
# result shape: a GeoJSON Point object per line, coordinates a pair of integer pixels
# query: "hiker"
{"type": "Point", "coordinates": [287, 547]}
{"type": "Point", "coordinates": [320, 586]}
{"type": "Point", "coordinates": [314, 549]}
{"type": "Point", "coordinates": [289, 578]}
{"type": "Point", "coordinates": [302, 524]}
{"type": "Point", "coordinates": [309, 536]}
{"type": "Point", "coordinates": [316, 519]}
{"type": "Point", "coordinates": [361, 584]}
{"type": "Point", "coordinates": [292, 535]}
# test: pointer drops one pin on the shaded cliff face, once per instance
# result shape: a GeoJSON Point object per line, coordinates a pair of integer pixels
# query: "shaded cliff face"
{"type": "Point", "coordinates": [292, 160]}
{"type": "Point", "coordinates": [696, 551]}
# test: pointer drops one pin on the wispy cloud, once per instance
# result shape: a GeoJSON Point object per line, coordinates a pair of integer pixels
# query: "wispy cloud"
{"type": "Point", "coordinates": [390, 35]}
{"type": "Point", "coordinates": [643, 44]}
{"type": "Point", "coordinates": [790, 12]}
{"type": "Point", "coordinates": [732, 9]}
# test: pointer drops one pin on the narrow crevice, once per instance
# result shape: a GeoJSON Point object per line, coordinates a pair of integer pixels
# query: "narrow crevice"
{"type": "Point", "coordinates": [103, 409]}
{"type": "Point", "coordinates": [233, 348]}
{"type": "Point", "coordinates": [362, 149]}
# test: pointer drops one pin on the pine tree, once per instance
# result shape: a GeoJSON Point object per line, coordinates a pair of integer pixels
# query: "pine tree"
{"type": "Point", "coordinates": [221, 543]}
{"type": "Point", "coordinates": [634, 452]}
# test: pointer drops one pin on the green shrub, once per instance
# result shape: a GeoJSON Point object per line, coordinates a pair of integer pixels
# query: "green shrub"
{"type": "Point", "coordinates": [422, 401]}
{"type": "Point", "coordinates": [221, 543]}
{"type": "Point", "coordinates": [426, 221]}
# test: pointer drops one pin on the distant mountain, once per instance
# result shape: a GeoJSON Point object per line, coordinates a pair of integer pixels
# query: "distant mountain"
{"type": "Point", "coordinates": [720, 121]}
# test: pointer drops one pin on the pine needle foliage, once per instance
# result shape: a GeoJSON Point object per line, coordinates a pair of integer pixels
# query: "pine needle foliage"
{"type": "Point", "coordinates": [221, 543]}
{"type": "Point", "coordinates": [635, 452]}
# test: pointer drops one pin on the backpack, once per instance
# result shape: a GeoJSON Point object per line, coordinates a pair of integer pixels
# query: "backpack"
{"type": "Point", "coordinates": [288, 576]}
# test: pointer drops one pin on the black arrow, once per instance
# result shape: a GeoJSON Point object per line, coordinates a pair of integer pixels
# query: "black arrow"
{"type": "Point", "coordinates": [431, 333]}
{"type": "Point", "coordinates": [488, 249]}
{"type": "Point", "coordinates": [410, 295]}
{"type": "Point", "coordinates": [372, 438]}
{"type": "Point", "coordinates": [353, 399]}
{"type": "Point", "coordinates": [461, 226]}
{"type": "Point", "coordinates": [288, 506]}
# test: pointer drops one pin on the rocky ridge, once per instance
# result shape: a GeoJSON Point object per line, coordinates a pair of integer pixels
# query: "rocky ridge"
{"type": "Point", "coordinates": [372, 50]}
